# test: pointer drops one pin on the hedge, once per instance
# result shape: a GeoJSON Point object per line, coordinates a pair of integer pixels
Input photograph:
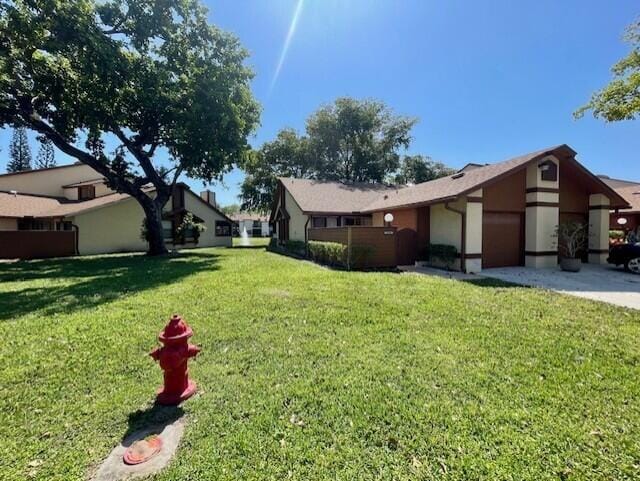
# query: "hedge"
{"type": "Point", "coordinates": [446, 254]}
{"type": "Point", "coordinates": [330, 253]}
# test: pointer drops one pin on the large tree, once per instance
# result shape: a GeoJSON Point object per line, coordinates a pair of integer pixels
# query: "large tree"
{"type": "Point", "coordinates": [46, 155]}
{"type": "Point", "coordinates": [348, 141]}
{"type": "Point", "coordinates": [418, 168]}
{"type": "Point", "coordinates": [620, 100]}
{"type": "Point", "coordinates": [19, 151]}
{"type": "Point", "coordinates": [286, 156]}
{"type": "Point", "coordinates": [146, 76]}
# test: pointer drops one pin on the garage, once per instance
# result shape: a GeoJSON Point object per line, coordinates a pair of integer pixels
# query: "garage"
{"type": "Point", "coordinates": [502, 239]}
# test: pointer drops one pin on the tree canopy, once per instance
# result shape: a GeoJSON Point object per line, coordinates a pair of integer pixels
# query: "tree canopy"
{"type": "Point", "coordinates": [415, 169]}
{"type": "Point", "coordinates": [143, 75]}
{"type": "Point", "coordinates": [19, 151]}
{"type": "Point", "coordinates": [46, 154]}
{"type": "Point", "coordinates": [620, 99]}
{"type": "Point", "coordinates": [348, 141]}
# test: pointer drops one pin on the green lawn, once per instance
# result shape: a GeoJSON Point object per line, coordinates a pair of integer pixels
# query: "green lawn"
{"type": "Point", "coordinates": [253, 241]}
{"type": "Point", "coordinates": [308, 373]}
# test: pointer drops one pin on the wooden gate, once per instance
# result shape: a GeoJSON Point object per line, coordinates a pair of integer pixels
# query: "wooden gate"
{"type": "Point", "coordinates": [407, 247]}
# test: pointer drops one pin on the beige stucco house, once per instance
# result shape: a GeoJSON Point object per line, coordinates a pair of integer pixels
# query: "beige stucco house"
{"type": "Point", "coordinates": [495, 215]}
{"type": "Point", "coordinates": [70, 209]}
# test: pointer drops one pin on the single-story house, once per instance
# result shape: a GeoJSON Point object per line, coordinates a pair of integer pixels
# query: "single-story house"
{"type": "Point", "coordinates": [251, 224]}
{"type": "Point", "coordinates": [502, 214]}
{"type": "Point", "coordinates": [627, 219]}
{"type": "Point", "coordinates": [69, 209]}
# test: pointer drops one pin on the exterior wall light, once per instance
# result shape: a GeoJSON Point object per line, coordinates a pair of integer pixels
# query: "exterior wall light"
{"type": "Point", "coordinates": [622, 220]}
{"type": "Point", "coordinates": [388, 217]}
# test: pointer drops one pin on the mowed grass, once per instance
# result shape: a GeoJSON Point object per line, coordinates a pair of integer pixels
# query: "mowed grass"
{"type": "Point", "coordinates": [253, 242]}
{"type": "Point", "coordinates": [308, 373]}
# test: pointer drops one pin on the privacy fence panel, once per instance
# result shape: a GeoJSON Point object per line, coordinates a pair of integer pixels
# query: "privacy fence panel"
{"type": "Point", "coordinates": [36, 244]}
{"type": "Point", "coordinates": [380, 241]}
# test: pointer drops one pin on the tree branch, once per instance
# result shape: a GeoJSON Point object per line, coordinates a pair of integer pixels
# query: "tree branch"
{"type": "Point", "coordinates": [143, 159]}
{"type": "Point", "coordinates": [33, 120]}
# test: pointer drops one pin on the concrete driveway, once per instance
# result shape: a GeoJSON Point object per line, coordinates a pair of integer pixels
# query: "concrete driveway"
{"type": "Point", "coordinates": [601, 283]}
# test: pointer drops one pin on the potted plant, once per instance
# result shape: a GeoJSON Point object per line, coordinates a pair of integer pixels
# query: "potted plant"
{"type": "Point", "coordinates": [572, 240]}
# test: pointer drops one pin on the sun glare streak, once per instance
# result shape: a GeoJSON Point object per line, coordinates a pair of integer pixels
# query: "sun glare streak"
{"type": "Point", "coordinates": [287, 43]}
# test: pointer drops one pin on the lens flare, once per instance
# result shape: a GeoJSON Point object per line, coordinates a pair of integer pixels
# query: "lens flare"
{"type": "Point", "coordinates": [287, 42]}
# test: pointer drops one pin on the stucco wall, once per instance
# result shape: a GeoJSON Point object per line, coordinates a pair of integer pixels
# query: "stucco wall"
{"type": "Point", "coordinates": [598, 229]}
{"type": "Point", "coordinates": [197, 207]}
{"type": "Point", "coordinates": [541, 220]}
{"type": "Point", "coordinates": [445, 225]}
{"type": "Point", "coordinates": [48, 181]}
{"type": "Point", "coordinates": [7, 223]}
{"type": "Point", "coordinates": [297, 219]}
{"type": "Point", "coordinates": [115, 228]}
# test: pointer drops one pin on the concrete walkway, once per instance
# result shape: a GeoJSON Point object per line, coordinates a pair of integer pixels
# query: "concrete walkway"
{"type": "Point", "coordinates": [601, 283]}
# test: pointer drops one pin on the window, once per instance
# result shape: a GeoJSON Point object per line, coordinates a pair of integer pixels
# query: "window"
{"type": "Point", "coordinates": [356, 221]}
{"type": "Point", "coordinates": [319, 222]}
{"type": "Point", "coordinates": [86, 192]}
{"type": "Point", "coordinates": [64, 225]}
{"type": "Point", "coordinates": [257, 228]}
{"type": "Point", "coordinates": [549, 171]}
{"type": "Point", "coordinates": [223, 228]}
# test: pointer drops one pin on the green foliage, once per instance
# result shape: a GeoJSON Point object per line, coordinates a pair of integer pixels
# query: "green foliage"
{"type": "Point", "coordinates": [338, 255]}
{"type": "Point", "coordinates": [298, 248]}
{"type": "Point", "coordinates": [620, 100]}
{"type": "Point", "coordinates": [329, 253]}
{"type": "Point", "coordinates": [348, 141]}
{"type": "Point", "coordinates": [389, 376]}
{"type": "Point", "coordinates": [415, 169]}
{"type": "Point", "coordinates": [442, 253]}
{"type": "Point", "coordinates": [230, 209]}
{"type": "Point", "coordinates": [145, 76]}
{"type": "Point", "coordinates": [46, 155]}
{"type": "Point", "coordinates": [19, 151]}
{"type": "Point", "coordinates": [190, 227]}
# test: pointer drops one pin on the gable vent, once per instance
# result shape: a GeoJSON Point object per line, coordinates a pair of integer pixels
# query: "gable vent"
{"type": "Point", "coordinates": [458, 175]}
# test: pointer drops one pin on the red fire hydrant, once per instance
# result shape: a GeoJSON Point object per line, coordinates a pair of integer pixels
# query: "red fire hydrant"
{"type": "Point", "coordinates": [173, 358]}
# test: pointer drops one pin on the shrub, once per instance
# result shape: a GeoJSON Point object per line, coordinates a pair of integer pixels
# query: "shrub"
{"type": "Point", "coordinates": [330, 253]}
{"type": "Point", "coordinates": [295, 247]}
{"type": "Point", "coordinates": [572, 238]}
{"type": "Point", "coordinates": [443, 253]}
{"type": "Point", "coordinates": [190, 227]}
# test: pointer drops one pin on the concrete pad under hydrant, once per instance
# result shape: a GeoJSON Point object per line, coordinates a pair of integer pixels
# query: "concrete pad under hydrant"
{"type": "Point", "coordinates": [114, 468]}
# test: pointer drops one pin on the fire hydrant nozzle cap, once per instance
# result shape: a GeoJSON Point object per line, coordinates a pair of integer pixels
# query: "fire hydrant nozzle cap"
{"type": "Point", "coordinates": [175, 330]}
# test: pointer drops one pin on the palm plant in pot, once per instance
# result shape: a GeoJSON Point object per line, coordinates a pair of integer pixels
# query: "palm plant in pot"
{"type": "Point", "coordinates": [572, 241]}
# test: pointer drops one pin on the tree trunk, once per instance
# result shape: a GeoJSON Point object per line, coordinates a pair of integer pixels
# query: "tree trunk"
{"type": "Point", "coordinates": [155, 234]}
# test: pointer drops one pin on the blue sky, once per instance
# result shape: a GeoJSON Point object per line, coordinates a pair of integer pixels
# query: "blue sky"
{"type": "Point", "coordinates": [487, 80]}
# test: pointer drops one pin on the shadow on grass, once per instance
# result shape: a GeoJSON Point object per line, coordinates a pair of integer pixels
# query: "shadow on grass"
{"type": "Point", "coordinates": [153, 419]}
{"type": "Point", "coordinates": [249, 247]}
{"type": "Point", "coordinates": [92, 280]}
{"type": "Point", "coordinates": [490, 282]}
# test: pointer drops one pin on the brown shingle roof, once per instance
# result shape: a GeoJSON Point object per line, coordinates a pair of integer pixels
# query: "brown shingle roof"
{"type": "Point", "coordinates": [29, 205]}
{"type": "Point", "coordinates": [455, 185]}
{"type": "Point", "coordinates": [632, 195]}
{"type": "Point", "coordinates": [333, 197]}
{"type": "Point", "coordinates": [248, 216]}
{"type": "Point", "coordinates": [24, 205]}
{"type": "Point", "coordinates": [101, 180]}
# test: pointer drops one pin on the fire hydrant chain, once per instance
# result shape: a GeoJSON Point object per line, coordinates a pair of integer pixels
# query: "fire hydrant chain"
{"type": "Point", "coordinates": [173, 357]}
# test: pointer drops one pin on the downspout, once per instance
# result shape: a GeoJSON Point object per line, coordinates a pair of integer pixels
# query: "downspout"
{"type": "Point", "coordinates": [463, 235]}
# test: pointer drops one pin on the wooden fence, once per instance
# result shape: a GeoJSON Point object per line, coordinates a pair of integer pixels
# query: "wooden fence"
{"type": "Point", "coordinates": [381, 240]}
{"type": "Point", "coordinates": [36, 244]}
